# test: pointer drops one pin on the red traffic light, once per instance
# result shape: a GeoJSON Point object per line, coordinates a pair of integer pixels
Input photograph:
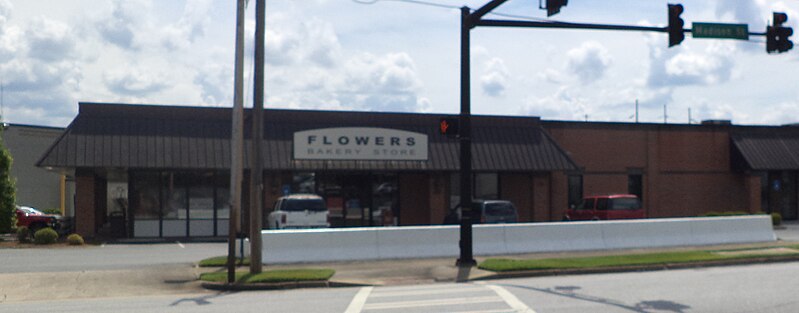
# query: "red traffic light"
{"type": "Point", "coordinates": [779, 18]}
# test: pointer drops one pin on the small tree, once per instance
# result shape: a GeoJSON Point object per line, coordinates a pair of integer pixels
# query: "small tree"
{"type": "Point", "coordinates": [7, 188]}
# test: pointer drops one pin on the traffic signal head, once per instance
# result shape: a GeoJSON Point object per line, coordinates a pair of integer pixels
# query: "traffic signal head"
{"type": "Point", "coordinates": [553, 6]}
{"type": "Point", "coordinates": [777, 36]}
{"type": "Point", "coordinates": [676, 24]}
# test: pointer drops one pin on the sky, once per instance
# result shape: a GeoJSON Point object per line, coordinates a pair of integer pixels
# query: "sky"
{"type": "Point", "coordinates": [396, 56]}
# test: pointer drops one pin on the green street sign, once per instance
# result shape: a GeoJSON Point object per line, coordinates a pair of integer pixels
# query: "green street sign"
{"type": "Point", "coordinates": [718, 30]}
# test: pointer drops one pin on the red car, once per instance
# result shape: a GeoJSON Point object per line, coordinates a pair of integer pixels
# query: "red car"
{"type": "Point", "coordinates": [34, 219]}
{"type": "Point", "coordinates": [606, 207]}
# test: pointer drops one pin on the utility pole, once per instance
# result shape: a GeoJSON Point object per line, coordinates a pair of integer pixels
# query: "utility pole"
{"type": "Point", "coordinates": [236, 144]}
{"type": "Point", "coordinates": [257, 168]}
{"type": "Point", "coordinates": [636, 111]}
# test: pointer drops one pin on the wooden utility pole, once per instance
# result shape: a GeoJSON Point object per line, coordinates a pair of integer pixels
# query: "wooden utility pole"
{"type": "Point", "coordinates": [236, 144]}
{"type": "Point", "coordinates": [257, 172]}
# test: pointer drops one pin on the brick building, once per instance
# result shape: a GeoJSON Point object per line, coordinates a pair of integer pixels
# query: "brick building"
{"type": "Point", "coordinates": [163, 171]}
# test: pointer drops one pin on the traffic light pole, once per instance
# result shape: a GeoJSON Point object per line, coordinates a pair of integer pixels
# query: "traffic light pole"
{"type": "Point", "coordinates": [471, 20]}
{"type": "Point", "coordinates": [465, 132]}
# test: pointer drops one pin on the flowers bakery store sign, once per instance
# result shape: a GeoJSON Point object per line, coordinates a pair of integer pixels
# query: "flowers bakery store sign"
{"type": "Point", "coordinates": [359, 143]}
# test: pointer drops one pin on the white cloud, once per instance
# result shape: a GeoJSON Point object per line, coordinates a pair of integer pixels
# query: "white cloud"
{"type": "Point", "coordinates": [50, 40]}
{"type": "Point", "coordinates": [191, 25]}
{"type": "Point", "coordinates": [134, 82]}
{"type": "Point", "coordinates": [290, 42]}
{"type": "Point", "coordinates": [495, 78]}
{"type": "Point", "coordinates": [216, 83]}
{"type": "Point", "coordinates": [712, 66]}
{"type": "Point", "coordinates": [589, 62]}
{"type": "Point", "coordinates": [11, 42]}
{"type": "Point", "coordinates": [126, 22]}
{"type": "Point", "coordinates": [383, 83]}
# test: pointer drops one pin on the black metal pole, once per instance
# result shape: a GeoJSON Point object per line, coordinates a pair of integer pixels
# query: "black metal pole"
{"type": "Point", "coordinates": [466, 257]}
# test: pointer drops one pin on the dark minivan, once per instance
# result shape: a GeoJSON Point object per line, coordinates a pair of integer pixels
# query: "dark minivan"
{"type": "Point", "coordinates": [606, 207]}
{"type": "Point", "coordinates": [489, 212]}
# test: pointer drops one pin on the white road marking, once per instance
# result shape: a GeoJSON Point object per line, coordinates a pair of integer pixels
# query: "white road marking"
{"type": "Point", "coordinates": [424, 292]}
{"type": "Point", "coordinates": [356, 306]}
{"type": "Point", "coordinates": [426, 303]}
{"type": "Point", "coordinates": [486, 311]}
{"type": "Point", "coordinates": [180, 244]}
{"type": "Point", "coordinates": [511, 300]}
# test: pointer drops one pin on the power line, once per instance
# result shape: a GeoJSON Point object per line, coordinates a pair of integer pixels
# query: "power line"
{"type": "Point", "coordinates": [454, 7]}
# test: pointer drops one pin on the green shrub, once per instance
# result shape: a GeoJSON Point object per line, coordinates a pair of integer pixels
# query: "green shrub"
{"type": "Point", "coordinates": [776, 219]}
{"type": "Point", "coordinates": [56, 211]}
{"type": "Point", "coordinates": [23, 234]}
{"type": "Point", "coordinates": [45, 236]}
{"type": "Point", "coordinates": [75, 240]}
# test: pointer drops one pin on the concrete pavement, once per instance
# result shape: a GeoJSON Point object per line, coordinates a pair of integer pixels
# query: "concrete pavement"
{"type": "Point", "coordinates": [181, 278]}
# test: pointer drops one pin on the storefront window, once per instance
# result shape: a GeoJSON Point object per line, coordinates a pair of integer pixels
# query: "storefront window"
{"type": "Point", "coordinates": [175, 202]}
{"type": "Point", "coordinates": [384, 198]}
{"type": "Point", "coordinates": [486, 186]}
{"type": "Point", "coordinates": [575, 190]}
{"type": "Point", "coordinates": [201, 204]}
{"type": "Point", "coordinates": [303, 183]}
{"type": "Point", "coordinates": [635, 185]}
{"type": "Point", "coordinates": [222, 204]}
{"type": "Point", "coordinates": [180, 204]}
{"type": "Point", "coordinates": [145, 204]}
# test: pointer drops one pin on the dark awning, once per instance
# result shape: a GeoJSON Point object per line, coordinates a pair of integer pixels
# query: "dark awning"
{"type": "Point", "coordinates": [179, 137]}
{"type": "Point", "coordinates": [768, 151]}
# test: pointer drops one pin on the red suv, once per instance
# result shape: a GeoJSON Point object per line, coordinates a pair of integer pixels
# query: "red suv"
{"type": "Point", "coordinates": [607, 207]}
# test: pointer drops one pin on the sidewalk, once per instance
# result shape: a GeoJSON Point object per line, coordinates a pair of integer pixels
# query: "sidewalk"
{"type": "Point", "coordinates": [419, 271]}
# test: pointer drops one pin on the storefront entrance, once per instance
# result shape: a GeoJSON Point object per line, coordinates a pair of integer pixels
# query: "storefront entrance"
{"type": "Point", "coordinates": [781, 194]}
{"type": "Point", "coordinates": [360, 199]}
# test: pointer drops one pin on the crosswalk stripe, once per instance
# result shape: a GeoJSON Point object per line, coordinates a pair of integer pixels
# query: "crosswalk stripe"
{"type": "Point", "coordinates": [511, 300]}
{"type": "Point", "coordinates": [357, 303]}
{"type": "Point", "coordinates": [383, 294]}
{"type": "Point", "coordinates": [436, 302]}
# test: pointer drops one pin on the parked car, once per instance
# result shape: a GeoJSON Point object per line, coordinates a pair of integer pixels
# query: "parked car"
{"type": "Point", "coordinates": [488, 212]}
{"type": "Point", "coordinates": [606, 207]}
{"type": "Point", "coordinates": [34, 219]}
{"type": "Point", "coordinates": [299, 211]}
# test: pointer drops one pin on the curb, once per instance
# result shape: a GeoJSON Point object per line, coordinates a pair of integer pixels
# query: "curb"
{"type": "Point", "coordinates": [279, 286]}
{"type": "Point", "coordinates": [637, 268]}
{"type": "Point", "coordinates": [487, 275]}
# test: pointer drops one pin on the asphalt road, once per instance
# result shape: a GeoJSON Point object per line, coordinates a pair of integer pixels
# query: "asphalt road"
{"type": "Point", "coordinates": [752, 288]}
{"type": "Point", "coordinates": [106, 257]}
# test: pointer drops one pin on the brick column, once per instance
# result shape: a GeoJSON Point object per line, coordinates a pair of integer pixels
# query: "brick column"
{"type": "Point", "coordinates": [438, 197]}
{"type": "Point", "coordinates": [85, 218]}
{"type": "Point", "coordinates": [518, 188]}
{"type": "Point", "coordinates": [752, 185]}
{"type": "Point", "coordinates": [558, 195]}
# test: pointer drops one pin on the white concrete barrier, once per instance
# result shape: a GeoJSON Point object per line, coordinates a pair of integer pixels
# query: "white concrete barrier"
{"type": "Point", "coordinates": [376, 243]}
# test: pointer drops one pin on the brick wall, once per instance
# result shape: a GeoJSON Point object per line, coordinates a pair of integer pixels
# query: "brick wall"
{"type": "Point", "coordinates": [84, 204]}
{"type": "Point", "coordinates": [686, 169]}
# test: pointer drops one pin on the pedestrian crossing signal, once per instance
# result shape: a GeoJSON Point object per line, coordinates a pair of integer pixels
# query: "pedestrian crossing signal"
{"type": "Point", "coordinates": [448, 126]}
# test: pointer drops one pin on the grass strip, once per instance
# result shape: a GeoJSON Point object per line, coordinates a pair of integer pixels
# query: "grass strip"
{"type": "Point", "coordinates": [219, 261]}
{"type": "Point", "coordinates": [272, 276]}
{"type": "Point", "coordinates": [507, 265]}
